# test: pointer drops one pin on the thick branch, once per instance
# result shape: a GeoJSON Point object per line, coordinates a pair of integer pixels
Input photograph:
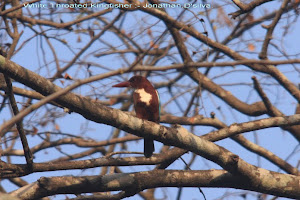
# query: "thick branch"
{"type": "Point", "coordinates": [275, 183]}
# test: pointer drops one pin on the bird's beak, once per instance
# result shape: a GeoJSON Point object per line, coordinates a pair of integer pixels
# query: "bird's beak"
{"type": "Point", "coordinates": [123, 84]}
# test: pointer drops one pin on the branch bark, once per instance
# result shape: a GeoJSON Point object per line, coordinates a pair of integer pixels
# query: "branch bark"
{"type": "Point", "coordinates": [275, 183]}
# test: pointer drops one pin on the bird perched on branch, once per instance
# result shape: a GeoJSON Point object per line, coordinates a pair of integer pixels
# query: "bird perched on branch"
{"type": "Point", "coordinates": [146, 105]}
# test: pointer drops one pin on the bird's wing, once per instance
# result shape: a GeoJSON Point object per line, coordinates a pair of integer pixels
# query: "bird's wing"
{"type": "Point", "coordinates": [158, 105]}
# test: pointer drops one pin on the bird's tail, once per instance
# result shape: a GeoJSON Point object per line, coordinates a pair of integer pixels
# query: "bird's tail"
{"type": "Point", "coordinates": [148, 147]}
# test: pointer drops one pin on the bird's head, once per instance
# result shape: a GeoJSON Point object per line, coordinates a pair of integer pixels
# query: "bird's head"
{"type": "Point", "coordinates": [135, 82]}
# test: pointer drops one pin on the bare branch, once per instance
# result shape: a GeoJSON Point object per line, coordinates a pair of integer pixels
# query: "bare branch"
{"type": "Point", "coordinates": [132, 183]}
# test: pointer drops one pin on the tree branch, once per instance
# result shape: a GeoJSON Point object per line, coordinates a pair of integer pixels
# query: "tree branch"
{"type": "Point", "coordinates": [132, 183]}
{"type": "Point", "coordinates": [244, 8]}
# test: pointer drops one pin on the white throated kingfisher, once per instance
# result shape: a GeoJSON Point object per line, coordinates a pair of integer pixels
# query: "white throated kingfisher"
{"type": "Point", "coordinates": [146, 105]}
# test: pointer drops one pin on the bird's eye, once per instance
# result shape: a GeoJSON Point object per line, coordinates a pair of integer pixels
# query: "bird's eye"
{"type": "Point", "coordinates": [132, 80]}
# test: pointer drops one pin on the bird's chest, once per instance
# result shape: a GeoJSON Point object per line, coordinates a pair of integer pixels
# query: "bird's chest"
{"type": "Point", "coordinates": [146, 104]}
{"type": "Point", "coordinates": [141, 97]}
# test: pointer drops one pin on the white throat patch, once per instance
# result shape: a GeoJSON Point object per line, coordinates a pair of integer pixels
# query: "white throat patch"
{"type": "Point", "coordinates": [144, 96]}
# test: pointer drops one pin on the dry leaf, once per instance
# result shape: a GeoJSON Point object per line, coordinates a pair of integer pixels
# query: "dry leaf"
{"type": "Point", "coordinates": [155, 46]}
{"type": "Point", "coordinates": [68, 77]}
{"type": "Point", "coordinates": [35, 130]}
{"type": "Point", "coordinates": [149, 32]}
{"type": "Point", "coordinates": [96, 22]}
{"type": "Point", "coordinates": [78, 39]}
{"type": "Point", "coordinates": [112, 101]}
{"type": "Point", "coordinates": [151, 43]}
{"type": "Point", "coordinates": [251, 47]}
{"type": "Point", "coordinates": [91, 32]}
{"type": "Point", "coordinates": [250, 18]}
